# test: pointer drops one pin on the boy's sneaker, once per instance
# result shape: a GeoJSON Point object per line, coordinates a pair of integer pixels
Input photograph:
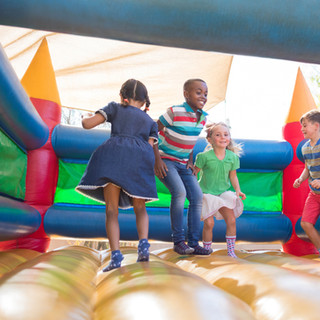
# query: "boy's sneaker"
{"type": "Point", "coordinates": [182, 248]}
{"type": "Point", "coordinates": [201, 251]}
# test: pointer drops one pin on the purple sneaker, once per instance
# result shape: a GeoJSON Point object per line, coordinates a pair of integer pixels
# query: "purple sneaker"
{"type": "Point", "coordinates": [182, 248]}
{"type": "Point", "coordinates": [201, 251]}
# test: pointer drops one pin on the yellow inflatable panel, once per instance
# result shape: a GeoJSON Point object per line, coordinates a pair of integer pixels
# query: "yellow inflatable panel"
{"type": "Point", "coordinates": [158, 290]}
{"type": "Point", "coordinates": [287, 262]}
{"type": "Point", "coordinates": [55, 285]}
{"type": "Point", "coordinates": [271, 292]}
{"type": "Point", "coordinates": [68, 283]}
{"type": "Point", "coordinates": [12, 258]}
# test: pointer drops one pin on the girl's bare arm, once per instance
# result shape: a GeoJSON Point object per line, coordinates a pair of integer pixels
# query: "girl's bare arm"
{"type": "Point", "coordinates": [92, 121]}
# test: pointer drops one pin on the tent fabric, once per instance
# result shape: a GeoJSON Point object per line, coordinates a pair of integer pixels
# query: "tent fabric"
{"type": "Point", "coordinates": [90, 71]}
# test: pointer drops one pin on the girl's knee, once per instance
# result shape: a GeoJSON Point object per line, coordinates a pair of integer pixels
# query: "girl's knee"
{"type": "Point", "coordinates": [111, 212]}
{"type": "Point", "coordinates": [209, 223]}
{"type": "Point", "coordinates": [232, 219]}
{"type": "Point", "coordinates": [139, 206]}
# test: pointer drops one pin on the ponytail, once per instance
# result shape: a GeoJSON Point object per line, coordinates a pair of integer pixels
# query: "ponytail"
{"type": "Point", "coordinates": [136, 90]}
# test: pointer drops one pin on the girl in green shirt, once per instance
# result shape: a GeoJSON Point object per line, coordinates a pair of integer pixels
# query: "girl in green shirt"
{"type": "Point", "coordinates": [217, 168]}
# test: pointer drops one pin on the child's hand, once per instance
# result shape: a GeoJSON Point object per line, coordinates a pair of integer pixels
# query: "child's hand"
{"type": "Point", "coordinates": [297, 183]}
{"type": "Point", "coordinates": [241, 195]}
{"type": "Point", "coordinates": [87, 115]}
{"type": "Point", "coordinates": [160, 168]}
{"type": "Point", "coordinates": [315, 184]}
{"type": "Point", "coordinates": [190, 165]}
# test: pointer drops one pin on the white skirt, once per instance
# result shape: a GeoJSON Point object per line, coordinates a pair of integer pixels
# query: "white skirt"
{"type": "Point", "coordinates": [211, 205]}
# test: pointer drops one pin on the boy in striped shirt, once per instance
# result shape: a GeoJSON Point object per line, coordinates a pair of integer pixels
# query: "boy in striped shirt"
{"type": "Point", "coordinates": [310, 127]}
{"type": "Point", "coordinates": [179, 129]}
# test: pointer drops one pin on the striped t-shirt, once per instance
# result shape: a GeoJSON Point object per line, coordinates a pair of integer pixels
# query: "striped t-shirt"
{"type": "Point", "coordinates": [180, 133]}
{"type": "Point", "coordinates": [311, 156]}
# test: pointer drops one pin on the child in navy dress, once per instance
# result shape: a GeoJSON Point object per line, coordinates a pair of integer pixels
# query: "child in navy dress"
{"type": "Point", "coordinates": [120, 172]}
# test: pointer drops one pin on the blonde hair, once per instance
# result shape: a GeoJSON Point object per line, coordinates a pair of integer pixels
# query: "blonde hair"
{"type": "Point", "coordinates": [232, 146]}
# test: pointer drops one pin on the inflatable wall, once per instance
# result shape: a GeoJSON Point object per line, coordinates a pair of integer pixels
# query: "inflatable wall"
{"type": "Point", "coordinates": [41, 161]}
{"type": "Point", "coordinates": [50, 158]}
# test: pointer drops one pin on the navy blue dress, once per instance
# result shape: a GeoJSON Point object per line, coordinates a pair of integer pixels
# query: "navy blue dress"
{"type": "Point", "coordinates": [126, 159]}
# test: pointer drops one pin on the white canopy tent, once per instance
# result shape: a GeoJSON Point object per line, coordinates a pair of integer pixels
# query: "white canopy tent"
{"type": "Point", "coordinates": [90, 71]}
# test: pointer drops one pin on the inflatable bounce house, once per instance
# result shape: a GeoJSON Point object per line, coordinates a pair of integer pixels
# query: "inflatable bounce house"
{"type": "Point", "coordinates": [41, 162]}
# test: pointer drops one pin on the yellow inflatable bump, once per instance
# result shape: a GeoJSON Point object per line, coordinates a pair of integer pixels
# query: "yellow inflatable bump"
{"type": "Point", "coordinates": [54, 285]}
{"type": "Point", "coordinates": [158, 290]}
{"type": "Point", "coordinates": [271, 292]}
{"type": "Point", "coordinates": [12, 258]}
{"type": "Point", "coordinates": [287, 262]}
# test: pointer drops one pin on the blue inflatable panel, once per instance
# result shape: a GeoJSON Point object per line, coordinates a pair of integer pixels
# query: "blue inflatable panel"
{"type": "Point", "coordinates": [17, 219]}
{"type": "Point", "coordinates": [257, 227]}
{"type": "Point", "coordinates": [298, 150]}
{"type": "Point", "coordinates": [259, 154]}
{"type": "Point", "coordinates": [287, 29]}
{"type": "Point", "coordinates": [89, 222]}
{"type": "Point", "coordinates": [19, 118]}
{"type": "Point", "coordinates": [300, 232]}
{"type": "Point", "coordinates": [77, 143]}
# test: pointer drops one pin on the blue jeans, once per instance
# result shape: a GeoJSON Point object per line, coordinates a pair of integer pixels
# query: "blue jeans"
{"type": "Point", "coordinates": [182, 183]}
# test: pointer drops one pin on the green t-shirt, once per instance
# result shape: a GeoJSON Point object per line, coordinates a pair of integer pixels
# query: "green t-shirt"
{"type": "Point", "coordinates": [214, 174]}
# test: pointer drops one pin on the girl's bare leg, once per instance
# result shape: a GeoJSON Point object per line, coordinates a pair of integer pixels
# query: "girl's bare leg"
{"type": "Point", "coordinates": [142, 221]}
{"type": "Point", "coordinates": [111, 196]}
{"type": "Point", "coordinates": [207, 233]}
{"type": "Point", "coordinates": [207, 229]}
{"type": "Point", "coordinates": [229, 218]}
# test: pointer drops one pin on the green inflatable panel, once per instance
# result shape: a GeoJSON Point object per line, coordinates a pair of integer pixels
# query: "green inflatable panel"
{"type": "Point", "coordinates": [13, 168]}
{"type": "Point", "coordinates": [263, 189]}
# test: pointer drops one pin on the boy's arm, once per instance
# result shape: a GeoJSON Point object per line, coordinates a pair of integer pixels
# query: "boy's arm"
{"type": "Point", "coordinates": [235, 183]}
{"type": "Point", "coordinates": [160, 167]}
{"type": "Point", "coordinates": [190, 162]}
{"type": "Point", "coordinates": [304, 176]}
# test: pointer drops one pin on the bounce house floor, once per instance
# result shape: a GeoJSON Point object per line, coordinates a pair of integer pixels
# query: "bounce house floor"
{"type": "Point", "coordinates": [58, 242]}
{"type": "Point", "coordinates": [68, 283]}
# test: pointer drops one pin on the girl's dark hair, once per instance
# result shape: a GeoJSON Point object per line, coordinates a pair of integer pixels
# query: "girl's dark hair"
{"type": "Point", "coordinates": [136, 90]}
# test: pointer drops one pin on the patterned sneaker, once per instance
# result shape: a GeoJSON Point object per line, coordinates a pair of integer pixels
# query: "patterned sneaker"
{"type": "Point", "coordinates": [182, 248]}
{"type": "Point", "coordinates": [116, 258]}
{"type": "Point", "coordinates": [143, 250]}
{"type": "Point", "coordinates": [201, 251]}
